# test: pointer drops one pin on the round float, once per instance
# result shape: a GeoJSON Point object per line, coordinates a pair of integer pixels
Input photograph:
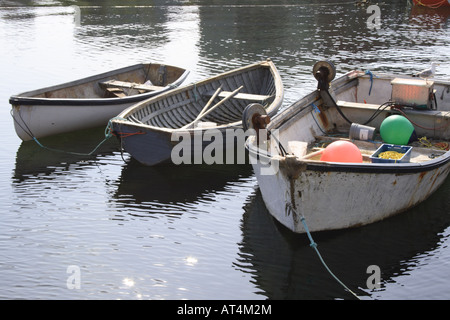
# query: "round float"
{"type": "Point", "coordinates": [342, 151]}
{"type": "Point", "coordinates": [396, 129]}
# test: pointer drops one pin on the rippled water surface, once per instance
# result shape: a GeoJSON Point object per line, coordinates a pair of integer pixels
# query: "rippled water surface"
{"type": "Point", "coordinates": [198, 232]}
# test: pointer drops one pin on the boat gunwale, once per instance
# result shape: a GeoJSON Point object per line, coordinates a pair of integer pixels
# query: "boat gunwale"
{"type": "Point", "coordinates": [277, 100]}
{"type": "Point", "coordinates": [26, 98]}
{"type": "Point", "coordinates": [305, 105]}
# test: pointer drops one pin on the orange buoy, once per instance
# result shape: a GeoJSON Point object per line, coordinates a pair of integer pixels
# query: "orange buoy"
{"type": "Point", "coordinates": [342, 151]}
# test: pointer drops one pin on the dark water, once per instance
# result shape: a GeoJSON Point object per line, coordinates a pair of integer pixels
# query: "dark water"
{"type": "Point", "coordinates": [198, 232]}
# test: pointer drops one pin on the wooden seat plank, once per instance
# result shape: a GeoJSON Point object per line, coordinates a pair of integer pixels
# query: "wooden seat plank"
{"type": "Point", "coordinates": [129, 85]}
{"type": "Point", "coordinates": [242, 96]}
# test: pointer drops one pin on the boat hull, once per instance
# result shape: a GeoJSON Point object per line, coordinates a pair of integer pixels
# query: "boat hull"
{"type": "Point", "coordinates": [152, 147]}
{"type": "Point", "coordinates": [38, 121]}
{"type": "Point", "coordinates": [338, 199]}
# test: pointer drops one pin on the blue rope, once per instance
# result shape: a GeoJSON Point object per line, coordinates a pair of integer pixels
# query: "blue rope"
{"type": "Point", "coordinates": [316, 110]}
{"type": "Point", "coordinates": [313, 245]}
{"type": "Point", "coordinates": [70, 152]}
{"type": "Point", "coordinates": [371, 79]}
{"type": "Point", "coordinates": [108, 134]}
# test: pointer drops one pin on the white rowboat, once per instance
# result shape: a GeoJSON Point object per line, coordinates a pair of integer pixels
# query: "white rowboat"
{"type": "Point", "coordinates": [89, 102]}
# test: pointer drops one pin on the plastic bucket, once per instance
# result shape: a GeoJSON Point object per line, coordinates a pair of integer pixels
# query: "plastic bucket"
{"type": "Point", "coordinates": [361, 132]}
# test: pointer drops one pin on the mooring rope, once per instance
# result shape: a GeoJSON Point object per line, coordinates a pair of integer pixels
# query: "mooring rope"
{"type": "Point", "coordinates": [70, 152]}
{"type": "Point", "coordinates": [108, 134]}
{"type": "Point", "coordinates": [313, 245]}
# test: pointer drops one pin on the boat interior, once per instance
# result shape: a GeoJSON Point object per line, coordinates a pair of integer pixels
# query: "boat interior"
{"type": "Point", "coordinates": [120, 83]}
{"type": "Point", "coordinates": [364, 101]}
{"type": "Point", "coordinates": [218, 101]}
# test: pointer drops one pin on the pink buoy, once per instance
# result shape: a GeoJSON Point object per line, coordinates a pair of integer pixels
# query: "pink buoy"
{"type": "Point", "coordinates": [342, 151]}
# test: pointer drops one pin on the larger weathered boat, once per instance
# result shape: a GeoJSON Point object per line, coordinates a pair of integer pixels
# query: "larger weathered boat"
{"type": "Point", "coordinates": [151, 129]}
{"type": "Point", "coordinates": [304, 189]}
{"type": "Point", "coordinates": [89, 102]}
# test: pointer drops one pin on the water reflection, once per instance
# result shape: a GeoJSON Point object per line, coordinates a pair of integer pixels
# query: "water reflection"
{"type": "Point", "coordinates": [167, 189]}
{"type": "Point", "coordinates": [183, 31]}
{"type": "Point", "coordinates": [114, 218]}
{"type": "Point", "coordinates": [33, 160]}
{"type": "Point", "coordinates": [284, 266]}
{"type": "Point", "coordinates": [136, 25]}
{"type": "Point", "coordinates": [429, 18]}
{"type": "Point", "coordinates": [145, 31]}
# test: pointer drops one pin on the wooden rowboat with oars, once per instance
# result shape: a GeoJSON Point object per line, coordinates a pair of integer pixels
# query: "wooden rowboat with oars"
{"type": "Point", "coordinates": [151, 129]}
{"type": "Point", "coordinates": [90, 102]}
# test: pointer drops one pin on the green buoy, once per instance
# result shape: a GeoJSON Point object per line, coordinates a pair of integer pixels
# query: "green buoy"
{"type": "Point", "coordinates": [396, 129]}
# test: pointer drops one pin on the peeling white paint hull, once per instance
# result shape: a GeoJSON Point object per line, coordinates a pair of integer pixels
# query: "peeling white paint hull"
{"type": "Point", "coordinates": [338, 200]}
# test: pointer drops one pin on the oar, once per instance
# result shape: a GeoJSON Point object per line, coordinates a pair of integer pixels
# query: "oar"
{"type": "Point", "coordinates": [206, 107]}
{"type": "Point", "coordinates": [210, 100]}
{"type": "Point", "coordinates": [231, 95]}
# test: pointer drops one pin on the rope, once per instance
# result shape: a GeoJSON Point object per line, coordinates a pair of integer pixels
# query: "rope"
{"type": "Point", "coordinates": [313, 245]}
{"type": "Point", "coordinates": [120, 134]}
{"type": "Point", "coordinates": [26, 129]}
{"type": "Point", "coordinates": [70, 152]}
{"type": "Point", "coordinates": [108, 134]}
{"type": "Point", "coordinates": [127, 134]}
{"type": "Point", "coordinates": [439, 145]}
{"type": "Point", "coordinates": [371, 79]}
{"type": "Point", "coordinates": [316, 110]}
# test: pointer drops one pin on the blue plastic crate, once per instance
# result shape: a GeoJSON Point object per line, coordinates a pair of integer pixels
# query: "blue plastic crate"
{"type": "Point", "coordinates": [391, 147]}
